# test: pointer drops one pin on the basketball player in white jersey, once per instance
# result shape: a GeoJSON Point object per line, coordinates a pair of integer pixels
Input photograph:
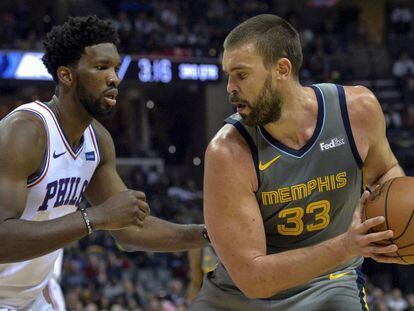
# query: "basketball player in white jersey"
{"type": "Point", "coordinates": [52, 153]}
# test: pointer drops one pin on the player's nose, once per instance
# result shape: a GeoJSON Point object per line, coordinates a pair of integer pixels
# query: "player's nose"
{"type": "Point", "coordinates": [113, 79]}
{"type": "Point", "coordinates": [232, 87]}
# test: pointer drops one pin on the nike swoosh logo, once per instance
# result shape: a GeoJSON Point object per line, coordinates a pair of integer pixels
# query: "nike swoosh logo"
{"type": "Point", "coordinates": [338, 275]}
{"type": "Point", "coordinates": [55, 156]}
{"type": "Point", "coordinates": [263, 167]}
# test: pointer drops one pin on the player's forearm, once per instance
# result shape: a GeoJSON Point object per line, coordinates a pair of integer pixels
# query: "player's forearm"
{"type": "Point", "coordinates": [23, 240]}
{"type": "Point", "coordinates": [267, 275]}
{"type": "Point", "coordinates": [161, 236]}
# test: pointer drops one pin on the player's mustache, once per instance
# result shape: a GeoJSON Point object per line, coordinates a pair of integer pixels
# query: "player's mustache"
{"type": "Point", "coordinates": [234, 98]}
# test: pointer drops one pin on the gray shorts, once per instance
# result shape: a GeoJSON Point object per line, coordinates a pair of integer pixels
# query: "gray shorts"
{"type": "Point", "coordinates": [344, 293]}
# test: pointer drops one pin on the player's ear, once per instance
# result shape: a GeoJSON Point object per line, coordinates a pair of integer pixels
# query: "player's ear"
{"type": "Point", "coordinates": [282, 68]}
{"type": "Point", "coordinates": [65, 75]}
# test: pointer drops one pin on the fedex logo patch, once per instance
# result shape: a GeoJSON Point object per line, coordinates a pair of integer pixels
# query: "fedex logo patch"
{"type": "Point", "coordinates": [332, 143]}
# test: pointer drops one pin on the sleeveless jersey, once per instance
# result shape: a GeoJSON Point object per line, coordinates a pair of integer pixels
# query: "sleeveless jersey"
{"type": "Point", "coordinates": [54, 192]}
{"type": "Point", "coordinates": [305, 196]}
{"type": "Point", "coordinates": [309, 195]}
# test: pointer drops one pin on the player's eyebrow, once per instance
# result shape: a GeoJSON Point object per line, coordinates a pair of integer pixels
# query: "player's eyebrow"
{"type": "Point", "coordinates": [238, 67]}
{"type": "Point", "coordinates": [105, 61]}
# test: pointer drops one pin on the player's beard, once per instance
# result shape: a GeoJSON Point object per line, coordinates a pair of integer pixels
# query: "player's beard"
{"type": "Point", "coordinates": [265, 109]}
{"type": "Point", "coordinates": [95, 107]}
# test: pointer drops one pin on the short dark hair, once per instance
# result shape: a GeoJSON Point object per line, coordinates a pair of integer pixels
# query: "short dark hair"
{"type": "Point", "coordinates": [65, 44]}
{"type": "Point", "coordinates": [273, 37]}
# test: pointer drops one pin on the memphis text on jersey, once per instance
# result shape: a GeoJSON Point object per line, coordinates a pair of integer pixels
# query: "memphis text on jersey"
{"type": "Point", "coordinates": [64, 191]}
{"type": "Point", "coordinates": [303, 190]}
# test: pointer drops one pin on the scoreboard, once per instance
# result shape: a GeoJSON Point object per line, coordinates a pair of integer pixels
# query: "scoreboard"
{"type": "Point", "coordinates": [22, 65]}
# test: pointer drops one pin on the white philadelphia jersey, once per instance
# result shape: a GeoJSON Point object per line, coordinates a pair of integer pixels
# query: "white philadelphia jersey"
{"type": "Point", "coordinates": [56, 191]}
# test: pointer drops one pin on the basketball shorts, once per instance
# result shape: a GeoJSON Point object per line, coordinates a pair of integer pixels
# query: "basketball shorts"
{"type": "Point", "coordinates": [339, 291]}
{"type": "Point", "coordinates": [40, 304]}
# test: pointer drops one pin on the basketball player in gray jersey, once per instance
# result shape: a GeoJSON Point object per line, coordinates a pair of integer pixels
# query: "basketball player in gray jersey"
{"type": "Point", "coordinates": [283, 180]}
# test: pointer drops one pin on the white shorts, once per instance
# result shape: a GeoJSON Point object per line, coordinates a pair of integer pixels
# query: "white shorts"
{"type": "Point", "coordinates": [40, 304]}
{"type": "Point", "coordinates": [56, 295]}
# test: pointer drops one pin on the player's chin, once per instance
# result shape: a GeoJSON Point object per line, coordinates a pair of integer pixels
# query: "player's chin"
{"type": "Point", "coordinates": [105, 112]}
{"type": "Point", "coordinates": [245, 113]}
{"type": "Point", "coordinates": [108, 113]}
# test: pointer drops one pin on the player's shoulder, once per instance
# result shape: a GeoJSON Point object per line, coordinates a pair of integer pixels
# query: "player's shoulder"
{"type": "Point", "coordinates": [361, 101]}
{"type": "Point", "coordinates": [227, 144]}
{"type": "Point", "coordinates": [22, 118]}
{"type": "Point", "coordinates": [23, 140]}
{"type": "Point", "coordinates": [24, 127]}
{"type": "Point", "coordinates": [229, 154]}
{"type": "Point", "coordinates": [363, 106]}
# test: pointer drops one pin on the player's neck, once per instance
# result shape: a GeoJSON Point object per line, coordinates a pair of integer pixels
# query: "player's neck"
{"type": "Point", "coordinates": [72, 120]}
{"type": "Point", "coordinates": [298, 118]}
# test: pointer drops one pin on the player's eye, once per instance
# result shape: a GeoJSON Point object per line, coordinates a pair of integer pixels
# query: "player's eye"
{"type": "Point", "coordinates": [242, 75]}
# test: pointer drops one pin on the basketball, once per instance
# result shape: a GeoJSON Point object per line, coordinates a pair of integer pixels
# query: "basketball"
{"type": "Point", "coordinates": [394, 200]}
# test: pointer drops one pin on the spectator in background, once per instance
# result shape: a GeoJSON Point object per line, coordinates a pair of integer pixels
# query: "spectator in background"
{"type": "Point", "coordinates": [376, 298]}
{"type": "Point", "coordinates": [408, 91]}
{"type": "Point", "coordinates": [402, 67]}
{"type": "Point", "coordinates": [401, 19]}
{"type": "Point", "coordinates": [395, 300]}
{"type": "Point", "coordinates": [410, 301]}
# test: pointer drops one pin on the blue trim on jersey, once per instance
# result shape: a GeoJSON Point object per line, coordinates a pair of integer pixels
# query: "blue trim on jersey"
{"type": "Point", "coordinates": [320, 122]}
{"type": "Point", "coordinates": [37, 176]}
{"type": "Point", "coordinates": [253, 148]}
{"type": "Point", "coordinates": [360, 284]}
{"type": "Point", "coordinates": [347, 125]}
{"type": "Point", "coordinates": [45, 159]}
{"type": "Point", "coordinates": [362, 183]}
{"type": "Point", "coordinates": [97, 145]}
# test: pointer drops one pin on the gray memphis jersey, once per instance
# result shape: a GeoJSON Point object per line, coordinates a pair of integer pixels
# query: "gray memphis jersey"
{"type": "Point", "coordinates": [309, 195]}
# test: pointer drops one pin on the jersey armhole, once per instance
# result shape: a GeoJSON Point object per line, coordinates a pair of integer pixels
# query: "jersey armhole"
{"type": "Point", "coordinates": [347, 125]}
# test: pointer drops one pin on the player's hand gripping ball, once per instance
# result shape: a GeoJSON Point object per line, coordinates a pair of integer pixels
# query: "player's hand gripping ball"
{"type": "Point", "coordinates": [395, 201]}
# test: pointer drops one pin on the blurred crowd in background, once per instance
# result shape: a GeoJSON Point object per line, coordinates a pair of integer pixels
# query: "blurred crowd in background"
{"type": "Point", "coordinates": [97, 274]}
{"type": "Point", "coordinates": [337, 45]}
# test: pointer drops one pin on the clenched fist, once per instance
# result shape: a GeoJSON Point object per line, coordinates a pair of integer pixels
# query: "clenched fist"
{"type": "Point", "coordinates": [125, 209]}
